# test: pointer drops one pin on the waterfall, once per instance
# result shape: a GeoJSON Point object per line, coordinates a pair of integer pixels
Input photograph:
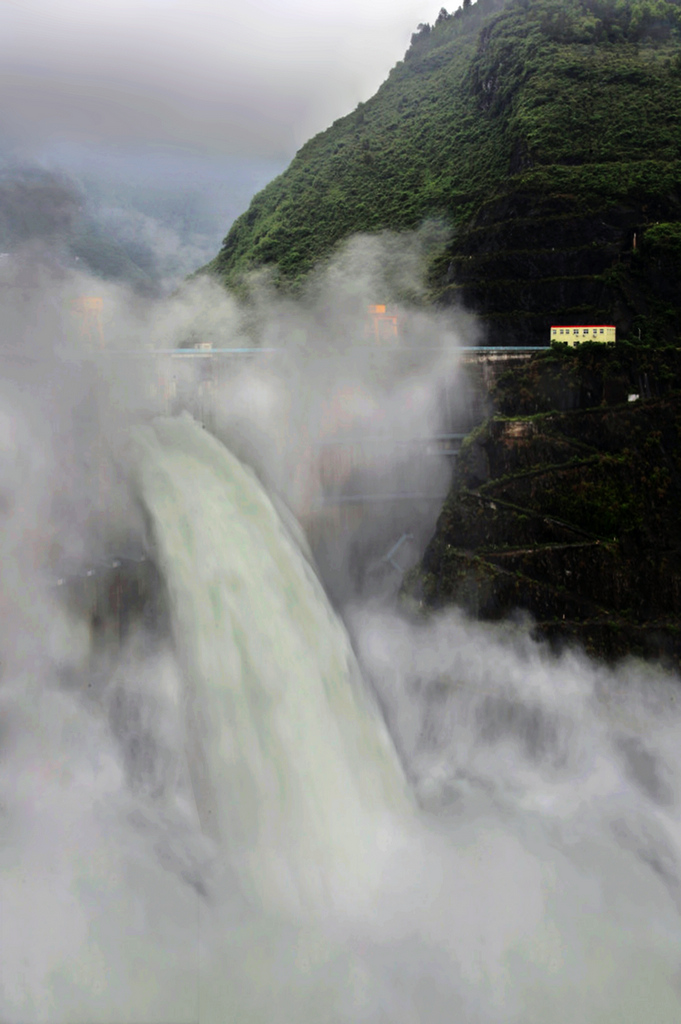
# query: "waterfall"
{"type": "Point", "coordinates": [292, 768]}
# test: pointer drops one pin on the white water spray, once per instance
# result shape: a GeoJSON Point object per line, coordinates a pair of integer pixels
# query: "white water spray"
{"type": "Point", "coordinates": [221, 831]}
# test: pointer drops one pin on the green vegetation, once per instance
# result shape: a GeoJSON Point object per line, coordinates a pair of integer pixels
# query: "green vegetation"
{"type": "Point", "coordinates": [546, 133]}
{"type": "Point", "coordinates": [665, 239]}
{"type": "Point", "coordinates": [590, 375]}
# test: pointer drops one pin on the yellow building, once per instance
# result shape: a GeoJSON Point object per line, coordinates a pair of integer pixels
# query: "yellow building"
{"type": "Point", "coordinates": [577, 335]}
{"type": "Point", "coordinates": [384, 324]}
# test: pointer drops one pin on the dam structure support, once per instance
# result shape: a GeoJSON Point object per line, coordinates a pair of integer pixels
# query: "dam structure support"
{"type": "Point", "coordinates": [116, 592]}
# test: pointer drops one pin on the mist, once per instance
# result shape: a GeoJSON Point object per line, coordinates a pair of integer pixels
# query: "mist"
{"type": "Point", "coordinates": [142, 219]}
{"type": "Point", "coordinates": [263, 789]}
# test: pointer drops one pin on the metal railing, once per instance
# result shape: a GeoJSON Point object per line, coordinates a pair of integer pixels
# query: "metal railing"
{"type": "Point", "coordinates": [193, 353]}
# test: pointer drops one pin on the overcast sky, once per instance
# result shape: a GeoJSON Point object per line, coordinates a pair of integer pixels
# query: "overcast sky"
{"type": "Point", "coordinates": [254, 79]}
{"type": "Point", "coordinates": [169, 115]}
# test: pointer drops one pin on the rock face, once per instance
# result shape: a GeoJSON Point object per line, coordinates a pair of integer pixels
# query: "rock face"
{"type": "Point", "coordinates": [572, 514]}
{"type": "Point", "coordinates": [546, 134]}
{"type": "Point", "coordinates": [532, 260]}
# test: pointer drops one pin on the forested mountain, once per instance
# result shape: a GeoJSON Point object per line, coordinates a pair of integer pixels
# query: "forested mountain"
{"type": "Point", "coordinates": [546, 133]}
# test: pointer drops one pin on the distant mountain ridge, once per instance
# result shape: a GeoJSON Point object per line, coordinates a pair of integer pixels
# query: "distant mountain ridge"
{"type": "Point", "coordinates": [547, 133]}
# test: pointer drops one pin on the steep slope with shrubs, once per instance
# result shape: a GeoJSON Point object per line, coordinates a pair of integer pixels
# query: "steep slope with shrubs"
{"type": "Point", "coordinates": [567, 504]}
{"type": "Point", "coordinates": [545, 133]}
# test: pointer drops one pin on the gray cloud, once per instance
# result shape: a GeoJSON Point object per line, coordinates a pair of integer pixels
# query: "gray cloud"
{"type": "Point", "coordinates": [255, 79]}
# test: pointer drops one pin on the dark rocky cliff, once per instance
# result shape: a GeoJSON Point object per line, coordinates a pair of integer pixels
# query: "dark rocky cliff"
{"type": "Point", "coordinates": [567, 504]}
{"type": "Point", "coordinates": [529, 261]}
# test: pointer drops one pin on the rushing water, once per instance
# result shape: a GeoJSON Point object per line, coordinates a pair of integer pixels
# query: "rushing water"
{"type": "Point", "coordinates": [291, 766]}
{"type": "Point", "coordinates": [219, 827]}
